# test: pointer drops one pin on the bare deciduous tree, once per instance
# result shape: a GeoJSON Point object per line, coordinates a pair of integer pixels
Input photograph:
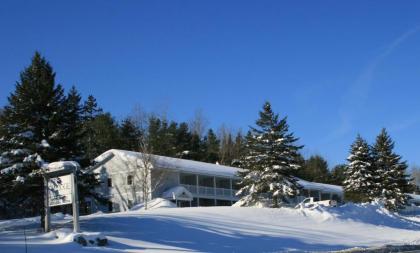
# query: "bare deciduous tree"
{"type": "Point", "coordinates": [143, 172]}
{"type": "Point", "coordinates": [199, 123]}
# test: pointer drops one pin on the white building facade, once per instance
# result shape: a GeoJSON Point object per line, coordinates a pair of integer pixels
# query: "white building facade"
{"type": "Point", "coordinates": [186, 183]}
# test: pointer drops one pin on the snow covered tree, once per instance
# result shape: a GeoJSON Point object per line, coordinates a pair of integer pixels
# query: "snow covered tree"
{"type": "Point", "coordinates": [393, 182]}
{"type": "Point", "coordinates": [360, 182]}
{"type": "Point", "coordinates": [270, 161]}
{"type": "Point", "coordinates": [31, 134]}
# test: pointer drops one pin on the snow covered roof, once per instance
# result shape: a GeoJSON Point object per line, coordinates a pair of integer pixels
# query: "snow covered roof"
{"type": "Point", "coordinates": [176, 163]}
{"type": "Point", "coordinates": [178, 192]}
{"type": "Point", "coordinates": [321, 187]}
{"type": "Point", "coordinates": [414, 197]}
{"type": "Point", "coordinates": [63, 165]}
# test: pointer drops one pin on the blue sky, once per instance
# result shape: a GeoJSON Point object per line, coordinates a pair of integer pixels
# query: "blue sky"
{"type": "Point", "coordinates": [335, 68]}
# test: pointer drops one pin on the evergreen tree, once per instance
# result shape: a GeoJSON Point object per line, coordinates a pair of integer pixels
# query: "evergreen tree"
{"type": "Point", "coordinates": [90, 111]}
{"type": "Point", "coordinates": [183, 140]}
{"type": "Point", "coordinates": [337, 175]}
{"type": "Point", "coordinates": [270, 161]}
{"type": "Point", "coordinates": [360, 184]}
{"type": "Point", "coordinates": [105, 135]}
{"type": "Point", "coordinates": [211, 147]}
{"type": "Point", "coordinates": [71, 127]}
{"type": "Point", "coordinates": [392, 182]}
{"type": "Point", "coordinates": [315, 169]}
{"type": "Point", "coordinates": [31, 135]}
{"type": "Point", "coordinates": [130, 135]}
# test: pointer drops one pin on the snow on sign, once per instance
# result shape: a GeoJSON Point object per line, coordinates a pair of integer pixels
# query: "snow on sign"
{"type": "Point", "coordinates": [59, 190]}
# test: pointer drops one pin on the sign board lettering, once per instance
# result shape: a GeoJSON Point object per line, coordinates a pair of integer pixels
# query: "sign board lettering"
{"type": "Point", "coordinates": [59, 190]}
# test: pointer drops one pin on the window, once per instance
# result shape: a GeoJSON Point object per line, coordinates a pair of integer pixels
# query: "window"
{"type": "Point", "coordinates": [206, 181]}
{"type": "Point", "coordinates": [325, 196]}
{"type": "Point", "coordinates": [314, 194]}
{"type": "Point", "coordinates": [129, 179]}
{"type": "Point", "coordinates": [222, 183]}
{"type": "Point", "coordinates": [188, 179]}
{"type": "Point", "coordinates": [109, 182]}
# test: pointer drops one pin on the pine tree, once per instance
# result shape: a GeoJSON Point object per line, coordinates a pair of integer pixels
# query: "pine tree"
{"type": "Point", "coordinates": [90, 111]}
{"type": "Point", "coordinates": [71, 127]}
{"type": "Point", "coordinates": [31, 135]}
{"type": "Point", "coordinates": [105, 135]}
{"type": "Point", "coordinates": [130, 135]}
{"type": "Point", "coordinates": [270, 161]}
{"type": "Point", "coordinates": [360, 184]}
{"type": "Point", "coordinates": [392, 182]}
{"type": "Point", "coordinates": [183, 140]}
{"type": "Point", "coordinates": [315, 169]}
{"type": "Point", "coordinates": [211, 147]}
{"type": "Point", "coordinates": [337, 175]}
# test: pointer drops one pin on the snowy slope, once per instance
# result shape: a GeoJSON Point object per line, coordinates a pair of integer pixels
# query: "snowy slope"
{"type": "Point", "coordinates": [225, 229]}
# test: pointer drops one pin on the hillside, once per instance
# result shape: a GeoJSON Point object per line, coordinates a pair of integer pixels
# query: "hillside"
{"type": "Point", "coordinates": [221, 229]}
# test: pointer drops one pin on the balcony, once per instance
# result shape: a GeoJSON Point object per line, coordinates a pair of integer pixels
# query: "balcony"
{"type": "Point", "coordinates": [209, 191]}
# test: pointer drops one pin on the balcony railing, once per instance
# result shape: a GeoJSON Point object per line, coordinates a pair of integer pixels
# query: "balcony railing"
{"type": "Point", "coordinates": [210, 191]}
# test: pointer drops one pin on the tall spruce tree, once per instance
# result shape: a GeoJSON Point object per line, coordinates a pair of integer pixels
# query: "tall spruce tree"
{"type": "Point", "coordinates": [360, 184]}
{"type": "Point", "coordinates": [270, 161]}
{"type": "Point", "coordinates": [211, 147]}
{"type": "Point", "coordinates": [392, 182]}
{"type": "Point", "coordinates": [71, 127]}
{"type": "Point", "coordinates": [130, 135]}
{"type": "Point", "coordinates": [315, 169]}
{"type": "Point", "coordinates": [32, 134]}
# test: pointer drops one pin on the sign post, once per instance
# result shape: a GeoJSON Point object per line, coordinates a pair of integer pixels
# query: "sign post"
{"type": "Point", "coordinates": [60, 183]}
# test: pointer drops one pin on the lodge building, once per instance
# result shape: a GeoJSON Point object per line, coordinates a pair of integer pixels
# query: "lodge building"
{"type": "Point", "coordinates": [187, 183]}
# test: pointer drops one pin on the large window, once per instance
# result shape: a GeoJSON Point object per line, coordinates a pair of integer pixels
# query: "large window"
{"type": "Point", "coordinates": [109, 182]}
{"type": "Point", "coordinates": [129, 179]}
{"type": "Point", "coordinates": [222, 182]}
{"type": "Point", "coordinates": [325, 196]}
{"type": "Point", "coordinates": [314, 194]}
{"type": "Point", "coordinates": [188, 179]}
{"type": "Point", "coordinates": [205, 181]}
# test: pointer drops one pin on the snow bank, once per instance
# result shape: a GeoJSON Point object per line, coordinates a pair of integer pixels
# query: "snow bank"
{"type": "Point", "coordinates": [154, 204]}
{"type": "Point", "coordinates": [370, 213]}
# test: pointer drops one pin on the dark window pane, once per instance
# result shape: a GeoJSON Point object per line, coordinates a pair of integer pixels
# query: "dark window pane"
{"type": "Point", "coordinates": [188, 179]}
{"type": "Point", "coordinates": [222, 182]}
{"type": "Point", "coordinates": [129, 179]}
{"type": "Point", "coordinates": [325, 196]}
{"type": "Point", "coordinates": [205, 181]}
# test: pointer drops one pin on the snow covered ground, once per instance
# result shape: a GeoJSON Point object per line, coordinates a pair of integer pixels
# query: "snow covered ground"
{"type": "Point", "coordinates": [221, 229]}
